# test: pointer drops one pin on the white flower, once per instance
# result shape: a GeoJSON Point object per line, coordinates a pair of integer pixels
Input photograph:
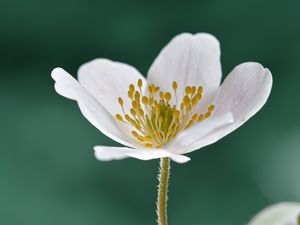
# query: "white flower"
{"type": "Point", "coordinates": [181, 106]}
{"type": "Point", "coordinates": [286, 213]}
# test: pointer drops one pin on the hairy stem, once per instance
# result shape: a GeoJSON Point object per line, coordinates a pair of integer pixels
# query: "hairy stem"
{"type": "Point", "coordinates": [162, 198]}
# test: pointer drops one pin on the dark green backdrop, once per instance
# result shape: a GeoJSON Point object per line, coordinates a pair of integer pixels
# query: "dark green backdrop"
{"type": "Point", "coordinates": [48, 174]}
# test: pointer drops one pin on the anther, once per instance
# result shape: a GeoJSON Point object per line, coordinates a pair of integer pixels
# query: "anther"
{"type": "Point", "coordinates": [119, 117]}
{"type": "Point", "coordinates": [193, 90]}
{"type": "Point", "coordinates": [186, 100]}
{"type": "Point", "coordinates": [200, 118]}
{"type": "Point", "coordinates": [199, 90]}
{"type": "Point", "coordinates": [161, 95]}
{"type": "Point", "coordinates": [137, 96]}
{"type": "Point", "coordinates": [151, 100]}
{"type": "Point", "coordinates": [132, 111]}
{"type": "Point", "coordinates": [128, 118]}
{"type": "Point", "coordinates": [148, 138]}
{"type": "Point", "coordinates": [168, 96]}
{"type": "Point", "coordinates": [140, 83]}
{"type": "Point", "coordinates": [176, 114]}
{"type": "Point", "coordinates": [148, 145]}
{"type": "Point", "coordinates": [194, 100]}
{"type": "Point", "coordinates": [182, 106]}
{"type": "Point", "coordinates": [134, 104]}
{"type": "Point", "coordinates": [207, 114]}
{"type": "Point", "coordinates": [135, 134]}
{"type": "Point", "coordinates": [188, 90]}
{"type": "Point", "coordinates": [150, 89]}
{"type": "Point", "coordinates": [130, 94]}
{"type": "Point", "coordinates": [131, 87]}
{"type": "Point", "coordinates": [120, 100]}
{"type": "Point", "coordinates": [141, 112]}
{"type": "Point", "coordinates": [174, 85]}
{"type": "Point", "coordinates": [145, 100]}
{"type": "Point", "coordinates": [211, 108]}
{"type": "Point", "coordinates": [194, 117]}
{"type": "Point", "coordinates": [198, 96]}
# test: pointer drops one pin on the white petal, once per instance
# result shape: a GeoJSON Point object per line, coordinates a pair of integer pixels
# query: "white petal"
{"type": "Point", "coordinates": [192, 136]}
{"type": "Point", "coordinates": [107, 80]}
{"type": "Point", "coordinates": [105, 153]}
{"type": "Point", "coordinates": [286, 213]}
{"type": "Point", "coordinates": [190, 60]}
{"type": "Point", "coordinates": [211, 137]}
{"type": "Point", "coordinates": [244, 92]}
{"type": "Point", "coordinates": [69, 87]}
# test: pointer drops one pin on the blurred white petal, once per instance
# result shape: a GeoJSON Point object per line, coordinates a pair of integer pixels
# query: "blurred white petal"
{"type": "Point", "coordinates": [286, 213]}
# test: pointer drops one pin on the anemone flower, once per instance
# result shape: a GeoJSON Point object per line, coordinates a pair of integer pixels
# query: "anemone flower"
{"type": "Point", "coordinates": [285, 213]}
{"type": "Point", "coordinates": [181, 106]}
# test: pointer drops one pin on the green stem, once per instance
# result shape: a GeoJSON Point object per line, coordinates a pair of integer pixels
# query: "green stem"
{"type": "Point", "coordinates": [162, 198]}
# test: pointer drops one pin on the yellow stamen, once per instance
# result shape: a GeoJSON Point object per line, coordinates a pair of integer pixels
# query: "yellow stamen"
{"type": "Point", "coordinates": [141, 112]}
{"type": "Point", "coordinates": [194, 117]}
{"type": "Point", "coordinates": [211, 108]}
{"type": "Point", "coordinates": [161, 95]}
{"type": "Point", "coordinates": [131, 88]}
{"type": "Point", "coordinates": [174, 85]}
{"type": "Point", "coordinates": [200, 118]}
{"type": "Point", "coordinates": [151, 100]}
{"type": "Point", "coordinates": [176, 113]}
{"type": "Point", "coordinates": [130, 94]}
{"type": "Point", "coordinates": [148, 138]}
{"type": "Point", "coordinates": [133, 112]}
{"type": "Point", "coordinates": [186, 100]}
{"type": "Point", "coordinates": [137, 96]}
{"type": "Point", "coordinates": [140, 83]}
{"type": "Point", "coordinates": [134, 104]}
{"type": "Point", "coordinates": [148, 145]}
{"type": "Point", "coordinates": [207, 114]}
{"type": "Point", "coordinates": [193, 90]}
{"type": "Point", "coordinates": [168, 96]}
{"type": "Point", "coordinates": [119, 117]}
{"type": "Point", "coordinates": [154, 121]}
{"type": "Point", "coordinates": [129, 119]}
{"type": "Point", "coordinates": [188, 90]}
{"type": "Point", "coordinates": [120, 100]}
{"type": "Point", "coordinates": [199, 90]}
{"type": "Point", "coordinates": [145, 100]}
{"type": "Point", "coordinates": [134, 133]}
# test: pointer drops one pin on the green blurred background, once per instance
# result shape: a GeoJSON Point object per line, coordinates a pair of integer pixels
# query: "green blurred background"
{"type": "Point", "coordinates": [48, 174]}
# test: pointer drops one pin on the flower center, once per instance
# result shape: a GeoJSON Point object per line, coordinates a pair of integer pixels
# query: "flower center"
{"type": "Point", "coordinates": [154, 121]}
